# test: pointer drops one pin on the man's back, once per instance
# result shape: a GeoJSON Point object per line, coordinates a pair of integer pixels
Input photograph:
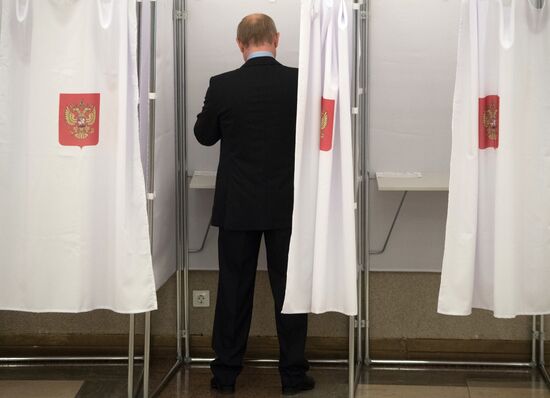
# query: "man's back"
{"type": "Point", "coordinates": [253, 111]}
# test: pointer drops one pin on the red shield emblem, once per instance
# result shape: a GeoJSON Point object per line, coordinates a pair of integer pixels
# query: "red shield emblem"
{"type": "Point", "coordinates": [489, 113]}
{"type": "Point", "coordinates": [79, 119]}
{"type": "Point", "coordinates": [327, 123]}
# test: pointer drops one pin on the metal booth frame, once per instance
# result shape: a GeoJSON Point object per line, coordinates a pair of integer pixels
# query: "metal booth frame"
{"type": "Point", "coordinates": [537, 329]}
{"type": "Point", "coordinates": [183, 354]}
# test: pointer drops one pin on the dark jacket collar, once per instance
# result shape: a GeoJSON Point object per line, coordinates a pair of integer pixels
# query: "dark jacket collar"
{"type": "Point", "coordinates": [260, 61]}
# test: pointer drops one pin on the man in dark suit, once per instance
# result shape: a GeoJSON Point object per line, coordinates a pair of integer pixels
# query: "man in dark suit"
{"type": "Point", "coordinates": [252, 111]}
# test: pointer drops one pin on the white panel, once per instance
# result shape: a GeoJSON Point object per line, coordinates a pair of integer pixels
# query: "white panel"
{"type": "Point", "coordinates": [417, 241]}
{"type": "Point", "coordinates": [412, 63]}
{"type": "Point", "coordinates": [164, 251]}
{"type": "Point", "coordinates": [412, 60]}
{"type": "Point", "coordinates": [164, 235]}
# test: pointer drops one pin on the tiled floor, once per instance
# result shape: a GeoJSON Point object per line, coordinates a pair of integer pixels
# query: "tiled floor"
{"type": "Point", "coordinates": [263, 382]}
{"type": "Point", "coordinates": [40, 388]}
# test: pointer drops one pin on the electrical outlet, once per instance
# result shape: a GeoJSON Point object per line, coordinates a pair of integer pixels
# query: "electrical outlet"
{"type": "Point", "coordinates": [201, 298]}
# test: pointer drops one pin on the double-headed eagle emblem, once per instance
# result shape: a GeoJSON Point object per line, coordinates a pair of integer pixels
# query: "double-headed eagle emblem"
{"type": "Point", "coordinates": [81, 117]}
{"type": "Point", "coordinates": [490, 122]}
{"type": "Point", "coordinates": [324, 123]}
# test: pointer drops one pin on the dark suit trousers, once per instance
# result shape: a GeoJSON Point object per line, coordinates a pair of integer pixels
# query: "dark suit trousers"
{"type": "Point", "coordinates": [238, 258]}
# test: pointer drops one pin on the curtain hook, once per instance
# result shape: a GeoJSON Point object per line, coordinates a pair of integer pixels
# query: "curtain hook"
{"type": "Point", "coordinates": [21, 14]}
{"type": "Point", "coordinates": [105, 12]}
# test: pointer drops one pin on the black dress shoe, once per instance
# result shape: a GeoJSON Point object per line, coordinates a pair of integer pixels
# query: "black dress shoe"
{"type": "Point", "coordinates": [307, 383]}
{"type": "Point", "coordinates": [221, 389]}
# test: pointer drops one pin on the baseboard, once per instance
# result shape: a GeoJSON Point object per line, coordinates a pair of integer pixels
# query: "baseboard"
{"type": "Point", "coordinates": [267, 347]}
{"type": "Point", "coordinates": [453, 350]}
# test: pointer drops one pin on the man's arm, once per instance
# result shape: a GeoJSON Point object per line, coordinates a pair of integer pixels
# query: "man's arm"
{"type": "Point", "coordinates": [207, 127]}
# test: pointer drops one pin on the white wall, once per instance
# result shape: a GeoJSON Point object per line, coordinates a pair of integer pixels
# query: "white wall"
{"type": "Point", "coordinates": [412, 63]}
{"type": "Point", "coordinates": [417, 240]}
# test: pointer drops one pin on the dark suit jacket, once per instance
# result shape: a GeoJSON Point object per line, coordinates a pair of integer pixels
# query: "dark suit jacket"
{"type": "Point", "coordinates": [252, 110]}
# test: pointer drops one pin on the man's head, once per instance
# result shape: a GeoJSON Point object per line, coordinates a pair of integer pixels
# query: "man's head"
{"type": "Point", "coordinates": [257, 32]}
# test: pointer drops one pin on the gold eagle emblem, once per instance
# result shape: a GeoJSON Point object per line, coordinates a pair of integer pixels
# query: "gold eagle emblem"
{"type": "Point", "coordinates": [324, 122]}
{"type": "Point", "coordinates": [81, 117]}
{"type": "Point", "coordinates": [490, 122]}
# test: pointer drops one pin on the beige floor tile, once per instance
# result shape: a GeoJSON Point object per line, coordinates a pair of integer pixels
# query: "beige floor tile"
{"type": "Point", "coordinates": [511, 387]}
{"type": "Point", "coordinates": [39, 388]}
{"type": "Point", "coordinates": [521, 383]}
{"type": "Point", "coordinates": [403, 391]}
{"type": "Point", "coordinates": [512, 392]}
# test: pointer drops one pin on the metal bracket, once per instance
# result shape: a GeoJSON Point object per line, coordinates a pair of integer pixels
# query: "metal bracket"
{"type": "Point", "coordinates": [388, 236]}
{"type": "Point", "coordinates": [364, 15]}
{"type": "Point", "coordinates": [179, 14]}
{"type": "Point", "coordinates": [201, 248]}
{"type": "Point", "coordinates": [363, 323]}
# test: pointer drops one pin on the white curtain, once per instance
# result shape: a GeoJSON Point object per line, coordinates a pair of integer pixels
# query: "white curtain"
{"type": "Point", "coordinates": [322, 267]}
{"type": "Point", "coordinates": [74, 232]}
{"type": "Point", "coordinates": [497, 249]}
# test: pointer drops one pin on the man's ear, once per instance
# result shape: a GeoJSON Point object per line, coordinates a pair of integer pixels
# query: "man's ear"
{"type": "Point", "coordinates": [240, 45]}
{"type": "Point", "coordinates": [276, 41]}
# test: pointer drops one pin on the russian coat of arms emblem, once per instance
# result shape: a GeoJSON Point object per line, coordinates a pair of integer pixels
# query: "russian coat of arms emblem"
{"type": "Point", "coordinates": [489, 109]}
{"type": "Point", "coordinates": [327, 124]}
{"type": "Point", "coordinates": [490, 121]}
{"type": "Point", "coordinates": [79, 119]}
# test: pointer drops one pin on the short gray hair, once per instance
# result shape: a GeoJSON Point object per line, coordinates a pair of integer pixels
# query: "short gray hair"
{"type": "Point", "coordinates": [256, 29]}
